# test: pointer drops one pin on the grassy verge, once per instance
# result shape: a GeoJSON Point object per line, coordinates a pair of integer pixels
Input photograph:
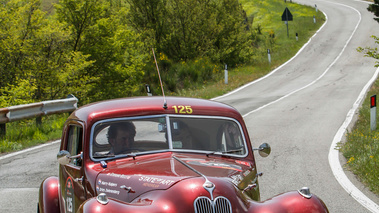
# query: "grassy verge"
{"type": "Point", "coordinates": [25, 133]}
{"type": "Point", "coordinates": [266, 20]}
{"type": "Point", "coordinates": [362, 146]}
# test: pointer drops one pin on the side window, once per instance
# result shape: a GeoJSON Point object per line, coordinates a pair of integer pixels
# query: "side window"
{"type": "Point", "coordinates": [74, 143]}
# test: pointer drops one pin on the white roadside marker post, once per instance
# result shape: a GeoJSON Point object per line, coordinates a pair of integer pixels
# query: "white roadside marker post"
{"type": "Point", "coordinates": [373, 112]}
{"type": "Point", "coordinates": [226, 74]}
{"type": "Point", "coordinates": [269, 56]}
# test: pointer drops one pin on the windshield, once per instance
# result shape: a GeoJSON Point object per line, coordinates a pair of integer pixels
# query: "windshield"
{"type": "Point", "coordinates": [130, 137]}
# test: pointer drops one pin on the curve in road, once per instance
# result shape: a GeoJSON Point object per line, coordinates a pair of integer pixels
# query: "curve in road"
{"type": "Point", "coordinates": [333, 157]}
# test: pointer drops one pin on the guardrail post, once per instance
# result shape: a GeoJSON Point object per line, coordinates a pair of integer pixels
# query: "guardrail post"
{"type": "Point", "coordinates": [3, 130]}
{"type": "Point", "coordinates": [38, 121]}
{"type": "Point", "coordinates": [3, 121]}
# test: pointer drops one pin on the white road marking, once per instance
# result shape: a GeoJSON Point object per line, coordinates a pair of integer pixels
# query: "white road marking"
{"type": "Point", "coordinates": [28, 150]}
{"type": "Point", "coordinates": [333, 157]}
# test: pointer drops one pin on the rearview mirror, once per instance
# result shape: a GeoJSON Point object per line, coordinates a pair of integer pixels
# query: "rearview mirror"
{"type": "Point", "coordinates": [264, 150]}
{"type": "Point", "coordinates": [64, 157]}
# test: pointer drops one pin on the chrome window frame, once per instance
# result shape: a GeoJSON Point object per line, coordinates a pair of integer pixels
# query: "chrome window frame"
{"type": "Point", "coordinates": [169, 135]}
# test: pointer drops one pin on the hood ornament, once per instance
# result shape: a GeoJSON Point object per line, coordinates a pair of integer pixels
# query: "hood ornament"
{"type": "Point", "coordinates": [209, 186]}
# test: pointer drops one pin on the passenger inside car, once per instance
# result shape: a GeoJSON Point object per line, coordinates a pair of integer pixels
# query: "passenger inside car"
{"type": "Point", "coordinates": [181, 135]}
{"type": "Point", "coordinates": [230, 138]}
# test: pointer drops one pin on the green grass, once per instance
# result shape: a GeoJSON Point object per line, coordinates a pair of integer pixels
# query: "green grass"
{"type": "Point", "coordinates": [25, 133]}
{"type": "Point", "coordinates": [361, 148]}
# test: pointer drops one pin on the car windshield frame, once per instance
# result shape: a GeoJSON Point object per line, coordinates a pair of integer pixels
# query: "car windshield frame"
{"type": "Point", "coordinates": [214, 124]}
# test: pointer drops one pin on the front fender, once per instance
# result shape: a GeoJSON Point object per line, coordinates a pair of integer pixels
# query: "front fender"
{"type": "Point", "coordinates": [292, 202]}
{"type": "Point", "coordinates": [49, 195]}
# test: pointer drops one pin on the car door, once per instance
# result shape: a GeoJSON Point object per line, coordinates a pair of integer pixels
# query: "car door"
{"type": "Point", "coordinates": [71, 176]}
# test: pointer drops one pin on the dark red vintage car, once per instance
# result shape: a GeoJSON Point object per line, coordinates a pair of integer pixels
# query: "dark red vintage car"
{"type": "Point", "coordinates": [155, 154]}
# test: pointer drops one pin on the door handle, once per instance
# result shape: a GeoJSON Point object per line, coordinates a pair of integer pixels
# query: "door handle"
{"type": "Point", "coordinates": [80, 180]}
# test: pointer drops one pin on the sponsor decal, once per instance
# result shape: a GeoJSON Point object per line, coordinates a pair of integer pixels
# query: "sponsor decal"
{"type": "Point", "coordinates": [108, 191]}
{"type": "Point", "coordinates": [246, 173]}
{"type": "Point", "coordinates": [107, 187]}
{"type": "Point", "coordinates": [150, 185]}
{"type": "Point", "coordinates": [104, 183]}
{"type": "Point", "coordinates": [70, 201]}
{"type": "Point", "coordinates": [236, 179]}
{"type": "Point", "coordinates": [119, 176]}
{"type": "Point", "coordinates": [155, 181]}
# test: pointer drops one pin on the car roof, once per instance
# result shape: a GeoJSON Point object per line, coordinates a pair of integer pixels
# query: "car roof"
{"type": "Point", "coordinates": [151, 105]}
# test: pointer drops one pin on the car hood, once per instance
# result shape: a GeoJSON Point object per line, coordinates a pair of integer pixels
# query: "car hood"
{"type": "Point", "coordinates": [126, 179]}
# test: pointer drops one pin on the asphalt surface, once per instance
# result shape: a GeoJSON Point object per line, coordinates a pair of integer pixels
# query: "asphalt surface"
{"type": "Point", "coordinates": [297, 109]}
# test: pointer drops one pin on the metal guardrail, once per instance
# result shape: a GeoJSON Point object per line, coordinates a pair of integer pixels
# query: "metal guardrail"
{"type": "Point", "coordinates": [25, 111]}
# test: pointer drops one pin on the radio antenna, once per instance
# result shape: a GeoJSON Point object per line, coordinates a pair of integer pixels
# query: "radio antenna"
{"type": "Point", "coordinates": [160, 80]}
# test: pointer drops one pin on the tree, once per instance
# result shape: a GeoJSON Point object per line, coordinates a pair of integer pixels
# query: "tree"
{"type": "Point", "coordinates": [374, 8]}
{"type": "Point", "coordinates": [35, 62]}
{"type": "Point", "coordinates": [98, 30]}
{"type": "Point", "coordinates": [187, 29]}
{"type": "Point", "coordinates": [372, 52]}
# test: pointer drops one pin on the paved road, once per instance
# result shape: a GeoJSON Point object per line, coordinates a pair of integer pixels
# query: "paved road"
{"type": "Point", "coordinates": [21, 176]}
{"type": "Point", "coordinates": [297, 109]}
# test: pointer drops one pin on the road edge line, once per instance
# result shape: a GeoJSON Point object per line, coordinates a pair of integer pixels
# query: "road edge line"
{"type": "Point", "coordinates": [277, 69]}
{"type": "Point", "coordinates": [29, 149]}
{"type": "Point", "coordinates": [333, 156]}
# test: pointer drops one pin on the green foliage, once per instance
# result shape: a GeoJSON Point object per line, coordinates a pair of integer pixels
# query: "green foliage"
{"type": "Point", "coordinates": [85, 49]}
{"type": "Point", "coordinates": [374, 8]}
{"type": "Point", "coordinates": [183, 75]}
{"type": "Point", "coordinates": [371, 52]}
{"type": "Point", "coordinates": [362, 152]}
{"type": "Point", "coordinates": [98, 29]}
{"type": "Point", "coordinates": [35, 61]}
{"type": "Point", "coordinates": [185, 29]}
{"type": "Point", "coordinates": [25, 133]}
{"type": "Point", "coordinates": [101, 49]}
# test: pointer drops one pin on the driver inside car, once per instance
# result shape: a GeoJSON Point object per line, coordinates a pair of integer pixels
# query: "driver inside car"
{"type": "Point", "coordinates": [121, 137]}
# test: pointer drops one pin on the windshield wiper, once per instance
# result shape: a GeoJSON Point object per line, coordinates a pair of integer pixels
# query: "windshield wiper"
{"type": "Point", "coordinates": [225, 152]}
{"type": "Point", "coordinates": [109, 155]}
{"type": "Point", "coordinates": [106, 155]}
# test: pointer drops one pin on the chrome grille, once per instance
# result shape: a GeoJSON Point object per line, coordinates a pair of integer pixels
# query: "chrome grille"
{"type": "Point", "coordinates": [206, 205]}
